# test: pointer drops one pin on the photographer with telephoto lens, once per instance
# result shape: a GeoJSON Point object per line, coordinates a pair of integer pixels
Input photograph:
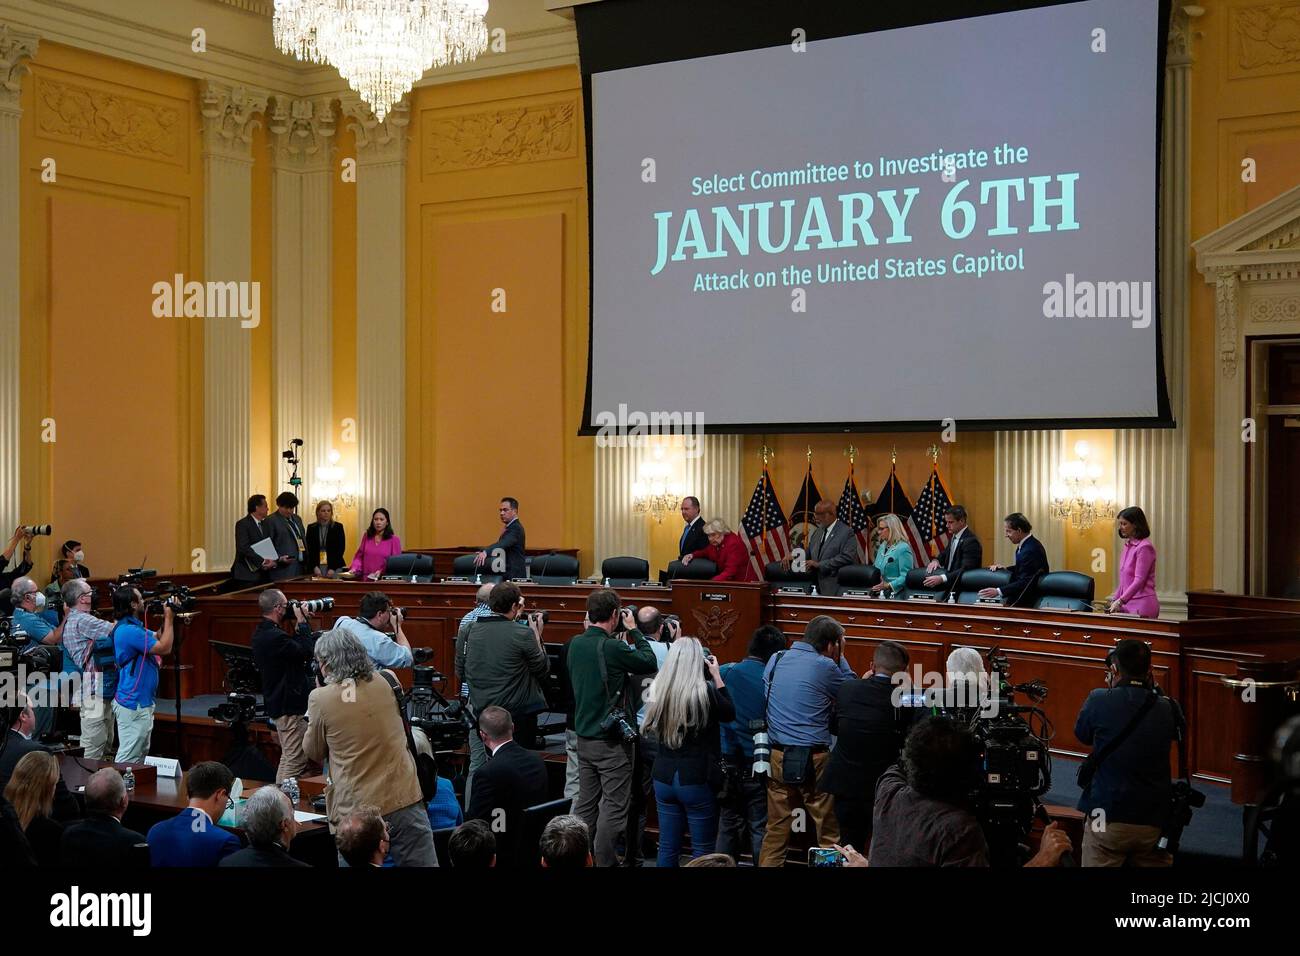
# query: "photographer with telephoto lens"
{"type": "Point", "coordinates": [600, 662]}
{"type": "Point", "coordinates": [500, 656]}
{"type": "Point", "coordinates": [137, 651]}
{"type": "Point", "coordinates": [1127, 794]}
{"type": "Point", "coordinates": [284, 661]}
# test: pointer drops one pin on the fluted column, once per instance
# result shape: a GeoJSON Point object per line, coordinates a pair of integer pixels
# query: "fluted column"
{"type": "Point", "coordinates": [1024, 465]}
{"type": "Point", "coordinates": [713, 475]}
{"type": "Point", "coordinates": [15, 50]}
{"type": "Point", "coordinates": [1151, 463]}
{"type": "Point", "coordinates": [302, 133]}
{"type": "Point", "coordinates": [381, 307]}
{"type": "Point", "coordinates": [230, 114]}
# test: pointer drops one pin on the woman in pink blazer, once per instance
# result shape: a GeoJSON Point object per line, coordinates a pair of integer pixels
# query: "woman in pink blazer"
{"type": "Point", "coordinates": [378, 544]}
{"type": "Point", "coordinates": [1136, 593]}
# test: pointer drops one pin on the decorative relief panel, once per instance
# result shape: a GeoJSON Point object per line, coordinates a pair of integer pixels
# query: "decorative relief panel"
{"type": "Point", "coordinates": [1265, 39]}
{"type": "Point", "coordinates": [1275, 308]}
{"type": "Point", "coordinates": [106, 120]}
{"type": "Point", "coordinates": [499, 137]}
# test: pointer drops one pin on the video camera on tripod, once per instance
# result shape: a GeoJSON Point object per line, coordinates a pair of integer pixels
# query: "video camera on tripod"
{"type": "Point", "coordinates": [243, 683]}
{"type": "Point", "coordinates": [14, 652]}
{"type": "Point", "coordinates": [446, 723]}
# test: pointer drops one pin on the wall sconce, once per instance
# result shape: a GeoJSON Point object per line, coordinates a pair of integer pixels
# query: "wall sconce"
{"type": "Point", "coordinates": [654, 493]}
{"type": "Point", "coordinates": [1076, 496]}
{"type": "Point", "coordinates": [329, 484]}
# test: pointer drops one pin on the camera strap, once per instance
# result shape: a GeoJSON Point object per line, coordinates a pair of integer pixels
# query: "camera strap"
{"type": "Point", "coordinates": [1088, 769]}
{"type": "Point", "coordinates": [770, 681]}
{"type": "Point", "coordinates": [610, 700]}
{"type": "Point", "coordinates": [425, 770]}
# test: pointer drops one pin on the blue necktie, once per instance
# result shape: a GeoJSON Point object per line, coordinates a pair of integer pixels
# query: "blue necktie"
{"type": "Point", "coordinates": [682, 543]}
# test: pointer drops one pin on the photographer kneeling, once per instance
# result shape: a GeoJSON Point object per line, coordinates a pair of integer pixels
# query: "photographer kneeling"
{"type": "Point", "coordinates": [355, 721]}
{"type": "Point", "coordinates": [922, 814]}
{"type": "Point", "coordinates": [284, 662]}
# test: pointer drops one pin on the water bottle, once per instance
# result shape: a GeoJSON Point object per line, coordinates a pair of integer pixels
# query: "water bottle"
{"type": "Point", "coordinates": [291, 789]}
{"type": "Point", "coordinates": [128, 779]}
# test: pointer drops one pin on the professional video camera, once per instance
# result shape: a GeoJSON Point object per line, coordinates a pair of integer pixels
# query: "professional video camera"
{"type": "Point", "coordinates": [14, 652]}
{"type": "Point", "coordinates": [242, 683]}
{"type": "Point", "coordinates": [166, 594]}
{"type": "Point", "coordinates": [446, 723]}
{"type": "Point", "coordinates": [1015, 763]}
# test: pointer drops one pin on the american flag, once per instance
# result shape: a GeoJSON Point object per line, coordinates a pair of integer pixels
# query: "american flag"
{"type": "Point", "coordinates": [928, 514]}
{"type": "Point", "coordinates": [763, 528]}
{"type": "Point", "coordinates": [893, 500]}
{"type": "Point", "coordinates": [851, 512]}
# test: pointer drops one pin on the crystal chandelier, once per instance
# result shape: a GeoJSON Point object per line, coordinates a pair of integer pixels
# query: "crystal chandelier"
{"type": "Point", "coordinates": [653, 493]}
{"type": "Point", "coordinates": [329, 484]}
{"type": "Point", "coordinates": [381, 47]}
{"type": "Point", "coordinates": [1077, 497]}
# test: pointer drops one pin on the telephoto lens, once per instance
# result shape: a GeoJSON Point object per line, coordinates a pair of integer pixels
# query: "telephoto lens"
{"type": "Point", "coordinates": [36, 529]}
{"type": "Point", "coordinates": [317, 605]}
{"type": "Point", "coordinates": [762, 748]}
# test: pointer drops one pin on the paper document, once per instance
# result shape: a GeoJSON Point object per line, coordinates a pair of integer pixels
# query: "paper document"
{"type": "Point", "coordinates": [265, 550]}
{"type": "Point", "coordinates": [302, 816]}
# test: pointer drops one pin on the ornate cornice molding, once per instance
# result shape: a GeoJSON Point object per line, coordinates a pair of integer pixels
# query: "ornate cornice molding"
{"type": "Point", "coordinates": [230, 114]}
{"type": "Point", "coordinates": [15, 50]}
{"type": "Point", "coordinates": [378, 142]}
{"type": "Point", "coordinates": [302, 132]}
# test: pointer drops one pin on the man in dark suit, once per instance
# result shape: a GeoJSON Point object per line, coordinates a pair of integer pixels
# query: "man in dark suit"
{"type": "Point", "coordinates": [249, 567]}
{"type": "Point", "coordinates": [284, 662]}
{"type": "Point", "coordinates": [19, 723]}
{"type": "Point", "coordinates": [1031, 562]}
{"type": "Point", "coordinates": [831, 546]}
{"type": "Point", "coordinates": [963, 551]}
{"type": "Point", "coordinates": [192, 837]}
{"type": "Point", "coordinates": [870, 731]}
{"type": "Point", "coordinates": [100, 841]}
{"type": "Point", "coordinates": [693, 537]}
{"type": "Point", "coordinates": [270, 827]}
{"type": "Point", "coordinates": [510, 546]}
{"type": "Point", "coordinates": [289, 537]}
{"type": "Point", "coordinates": [512, 780]}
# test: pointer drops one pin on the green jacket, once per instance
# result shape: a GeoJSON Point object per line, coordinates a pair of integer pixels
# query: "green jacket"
{"type": "Point", "coordinates": [591, 701]}
{"type": "Point", "coordinates": [502, 663]}
{"type": "Point", "coordinates": [894, 563]}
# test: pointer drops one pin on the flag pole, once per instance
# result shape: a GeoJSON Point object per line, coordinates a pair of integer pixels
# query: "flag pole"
{"type": "Point", "coordinates": [806, 479]}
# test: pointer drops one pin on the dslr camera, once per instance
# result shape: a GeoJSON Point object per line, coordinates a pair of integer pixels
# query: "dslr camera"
{"type": "Point", "coordinates": [618, 618]}
{"type": "Point", "coordinates": [543, 616]}
{"type": "Point", "coordinates": [313, 606]}
{"type": "Point", "coordinates": [618, 728]}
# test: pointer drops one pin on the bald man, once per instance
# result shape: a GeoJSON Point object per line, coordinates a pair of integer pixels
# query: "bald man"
{"type": "Point", "coordinates": [832, 546]}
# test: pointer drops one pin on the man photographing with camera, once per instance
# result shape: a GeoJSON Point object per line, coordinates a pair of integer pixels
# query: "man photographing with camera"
{"type": "Point", "coordinates": [500, 656]}
{"type": "Point", "coordinates": [600, 661]}
{"type": "Point", "coordinates": [371, 627]}
{"type": "Point", "coordinates": [1127, 793]}
{"type": "Point", "coordinates": [284, 661]}
{"type": "Point", "coordinates": [137, 651]}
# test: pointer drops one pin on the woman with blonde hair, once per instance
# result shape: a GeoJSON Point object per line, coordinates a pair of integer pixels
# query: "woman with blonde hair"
{"type": "Point", "coordinates": [894, 556]}
{"type": "Point", "coordinates": [683, 712]}
{"type": "Point", "coordinates": [727, 551]}
{"type": "Point", "coordinates": [31, 791]}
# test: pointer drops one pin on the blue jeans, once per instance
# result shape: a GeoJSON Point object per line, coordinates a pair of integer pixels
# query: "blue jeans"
{"type": "Point", "coordinates": [681, 805]}
{"type": "Point", "coordinates": [741, 824]}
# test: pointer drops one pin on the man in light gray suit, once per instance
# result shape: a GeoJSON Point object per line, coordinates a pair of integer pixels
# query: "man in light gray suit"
{"type": "Point", "coordinates": [831, 546]}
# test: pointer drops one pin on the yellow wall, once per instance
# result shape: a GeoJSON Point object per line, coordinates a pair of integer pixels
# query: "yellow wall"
{"type": "Point", "coordinates": [496, 189]}
{"type": "Point", "coordinates": [1245, 104]}
{"type": "Point", "coordinates": [264, 450]}
{"type": "Point", "coordinates": [124, 388]}
{"type": "Point", "coordinates": [344, 302]}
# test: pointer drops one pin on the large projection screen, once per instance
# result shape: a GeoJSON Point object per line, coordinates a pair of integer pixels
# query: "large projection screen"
{"type": "Point", "coordinates": [952, 220]}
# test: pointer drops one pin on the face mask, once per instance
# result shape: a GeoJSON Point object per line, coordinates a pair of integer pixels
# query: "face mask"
{"type": "Point", "coordinates": [40, 600]}
{"type": "Point", "coordinates": [79, 556]}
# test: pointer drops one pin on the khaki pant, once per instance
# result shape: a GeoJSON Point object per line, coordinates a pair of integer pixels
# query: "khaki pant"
{"type": "Point", "coordinates": [134, 731]}
{"type": "Point", "coordinates": [788, 802]}
{"type": "Point", "coordinates": [293, 762]}
{"type": "Point", "coordinates": [97, 728]}
{"type": "Point", "coordinates": [1124, 844]}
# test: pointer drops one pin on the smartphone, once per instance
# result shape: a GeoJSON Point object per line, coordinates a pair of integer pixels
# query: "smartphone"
{"type": "Point", "coordinates": [825, 856]}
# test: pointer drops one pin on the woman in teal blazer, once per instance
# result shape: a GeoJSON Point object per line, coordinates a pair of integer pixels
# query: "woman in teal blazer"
{"type": "Point", "coordinates": [894, 557]}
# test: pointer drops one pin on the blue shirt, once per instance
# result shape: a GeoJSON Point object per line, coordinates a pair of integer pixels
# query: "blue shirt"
{"type": "Point", "coordinates": [745, 681]}
{"type": "Point", "coordinates": [382, 649]}
{"type": "Point", "coordinates": [137, 670]}
{"type": "Point", "coordinates": [803, 696]}
{"type": "Point", "coordinates": [661, 655]}
{"type": "Point", "coordinates": [35, 626]}
{"type": "Point", "coordinates": [1132, 784]}
{"type": "Point", "coordinates": [444, 809]}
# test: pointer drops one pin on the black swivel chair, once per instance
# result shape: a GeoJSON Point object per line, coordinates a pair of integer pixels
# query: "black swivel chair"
{"type": "Point", "coordinates": [700, 569]}
{"type": "Point", "coordinates": [625, 572]}
{"type": "Point", "coordinates": [1066, 591]}
{"type": "Point", "coordinates": [976, 579]}
{"type": "Point", "coordinates": [858, 577]}
{"type": "Point", "coordinates": [404, 567]}
{"type": "Point", "coordinates": [535, 820]}
{"type": "Point", "coordinates": [463, 567]}
{"type": "Point", "coordinates": [781, 577]}
{"type": "Point", "coordinates": [916, 576]}
{"type": "Point", "coordinates": [554, 569]}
